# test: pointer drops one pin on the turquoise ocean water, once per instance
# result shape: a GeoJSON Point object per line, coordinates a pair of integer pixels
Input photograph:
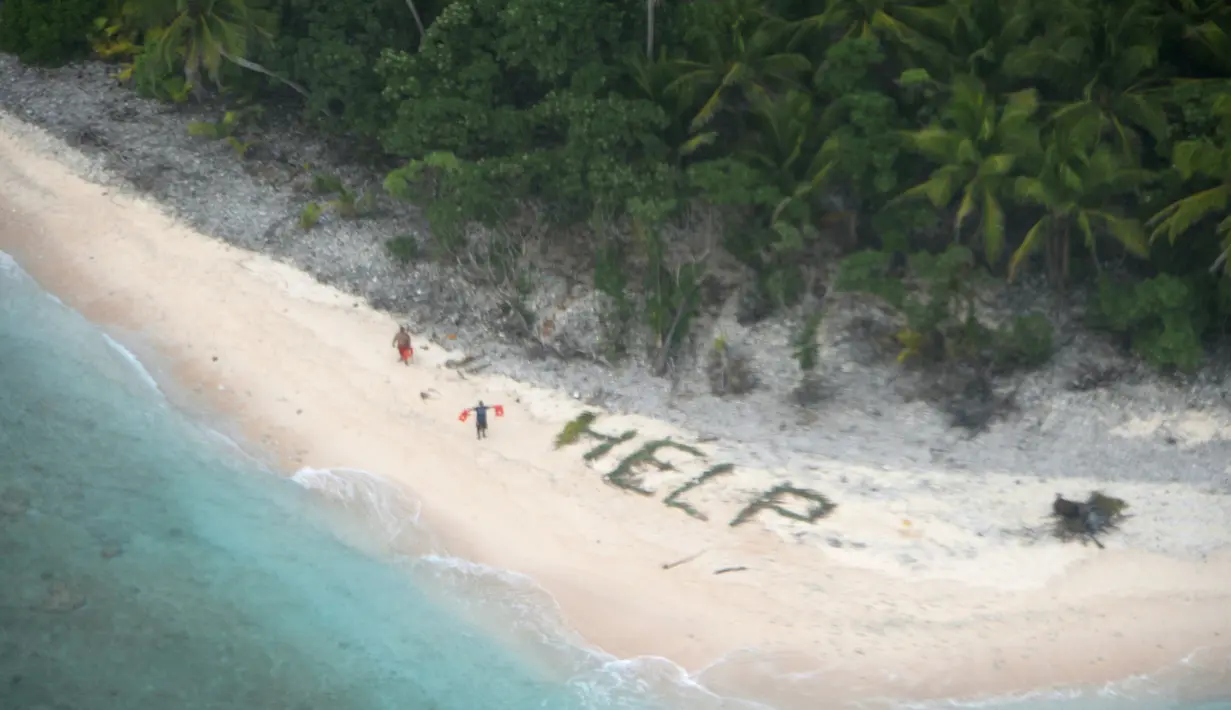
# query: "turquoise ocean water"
{"type": "Point", "coordinates": [146, 563]}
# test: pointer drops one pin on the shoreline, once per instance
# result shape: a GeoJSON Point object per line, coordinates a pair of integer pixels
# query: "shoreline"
{"type": "Point", "coordinates": [305, 375]}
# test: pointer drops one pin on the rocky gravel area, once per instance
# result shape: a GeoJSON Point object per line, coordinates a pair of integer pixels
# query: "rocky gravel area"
{"type": "Point", "coordinates": [1136, 426]}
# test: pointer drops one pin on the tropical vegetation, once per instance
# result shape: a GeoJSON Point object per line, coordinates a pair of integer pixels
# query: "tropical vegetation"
{"type": "Point", "coordinates": [1085, 141]}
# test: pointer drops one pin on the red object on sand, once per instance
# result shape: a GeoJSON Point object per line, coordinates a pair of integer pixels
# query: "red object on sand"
{"type": "Point", "coordinates": [464, 415]}
{"type": "Point", "coordinates": [499, 410]}
{"type": "Point", "coordinates": [406, 353]}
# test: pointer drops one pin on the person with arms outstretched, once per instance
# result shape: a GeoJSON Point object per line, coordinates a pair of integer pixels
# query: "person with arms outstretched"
{"type": "Point", "coordinates": [480, 420]}
{"type": "Point", "coordinates": [401, 341]}
{"type": "Point", "coordinates": [480, 417]}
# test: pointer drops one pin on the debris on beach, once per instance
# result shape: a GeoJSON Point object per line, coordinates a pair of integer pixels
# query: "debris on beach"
{"type": "Point", "coordinates": [677, 563]}
{"type": "Point", "coordinates": [1098, 515]}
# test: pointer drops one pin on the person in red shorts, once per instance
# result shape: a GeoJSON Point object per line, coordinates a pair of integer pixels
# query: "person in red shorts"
{"type": "Point", "coordinates": [401, 341]}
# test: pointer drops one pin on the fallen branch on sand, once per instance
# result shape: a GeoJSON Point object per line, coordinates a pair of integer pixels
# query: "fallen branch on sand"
{"type": "Point", "coordinates": [724, 570]}
{"type": "Point", "coordinates": [677, 563]}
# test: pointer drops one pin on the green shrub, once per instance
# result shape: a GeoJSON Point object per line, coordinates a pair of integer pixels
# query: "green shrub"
{"type": "Point", "coordinates": [936, 297]}
{"type": "Point", "coordinates": [403, 249]}
{"type": "Point", "coordinates": [1026, 342]}
{"type": "Point", "coordinates": [326, 184]}
{"type": "Point", "coordinates": [48, 32]}
{"type": "Point", "coordinates": [1164, 318]}
{"type": "Point", "coordinates": [728, 369]}
{"type": "Point", "coordinates": [352, 205]}
{"type": "Point", "coordinates": [310, 215]}
{"type": "Point", "coordinates": [803, 342]}
{"type": "Point", "coordinates": [152, 82]}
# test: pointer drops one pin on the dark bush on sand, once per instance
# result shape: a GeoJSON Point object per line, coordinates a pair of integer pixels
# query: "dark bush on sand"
{"type": "Point", "coordinates": [1098, 515]}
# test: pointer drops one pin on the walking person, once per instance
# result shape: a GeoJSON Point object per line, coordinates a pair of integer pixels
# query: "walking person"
{"type": "Point", "coordinates": [401, 341]}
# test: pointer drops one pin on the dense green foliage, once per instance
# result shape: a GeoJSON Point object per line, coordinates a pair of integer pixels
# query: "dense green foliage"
{"type": "Point", "coordinates": [48, 31]}
{"type": "Point", "coordinates": [1089, 140]}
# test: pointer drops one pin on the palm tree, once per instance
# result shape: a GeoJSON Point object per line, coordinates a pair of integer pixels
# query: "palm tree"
{"type": "Point", "coordinates": [201, 34]}
{"type": "Point", "coordinates": [980, 146]}
{"type": "Point", "coordinates": [1103, 58]}
{"type": "Point", "coordinates": [902, 23]}
{"type": "Point", "coordinates": [655, 81]}
{"type": "Point", "coordinates": [978, 37]}
{"type": "Point", "coordinates": [1202, 158]}
{"type": "Point", "coordinates": [790, 152]}
{"type": "Point", "coordinates": [747, 59]}
{"type": "Point", "coordinates": [1077, 188]}
{"type": "Point", "coordinates": [1202, 25]}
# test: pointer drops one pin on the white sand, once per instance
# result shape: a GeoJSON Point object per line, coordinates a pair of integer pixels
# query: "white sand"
{"type": "Point", "coordinates": [925, 597]}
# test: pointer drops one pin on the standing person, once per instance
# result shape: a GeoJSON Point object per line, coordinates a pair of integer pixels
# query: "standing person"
{"type": "Point", "coordinates": [401, 341]}
{"type": "Point", "coordinates": [480, 420]}
{"type": "Point", "coordinates": [480, 417]}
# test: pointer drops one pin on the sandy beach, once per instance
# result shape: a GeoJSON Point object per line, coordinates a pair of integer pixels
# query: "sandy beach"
{"type": "Point", "coordinates": [925, 593]}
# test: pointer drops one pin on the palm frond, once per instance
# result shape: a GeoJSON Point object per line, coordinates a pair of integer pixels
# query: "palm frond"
{"type": "Point", "coordinates": [1135, 61]}
{"type": "Point", "coordinates": [935, 143]}
{"type": "Point", "coordinates": [939, 188]}
{"type": "Point", "coordinates": [997, 165]}
{"type": "Point", "coordinates": [783, 66]}
{"type": "Point", "coordinates": [1030, 244]}
{"type": "Point", "coordinates": [966, 207]}
{"type": "Point", "coordinates": [1128, 232]}
{"type": "Point", "coordinates": [698, 142]}
{"type": "Point", "coordinates": [993, 226]}
{"type": "Point", "coordinates": [708, 110]}
{"type": "Point", "coordinates": [1034, 191]}
{"type": "Point", "coordinates": [1197, 157]}
{"type": "Point", "coordinates": [1177, 218]}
